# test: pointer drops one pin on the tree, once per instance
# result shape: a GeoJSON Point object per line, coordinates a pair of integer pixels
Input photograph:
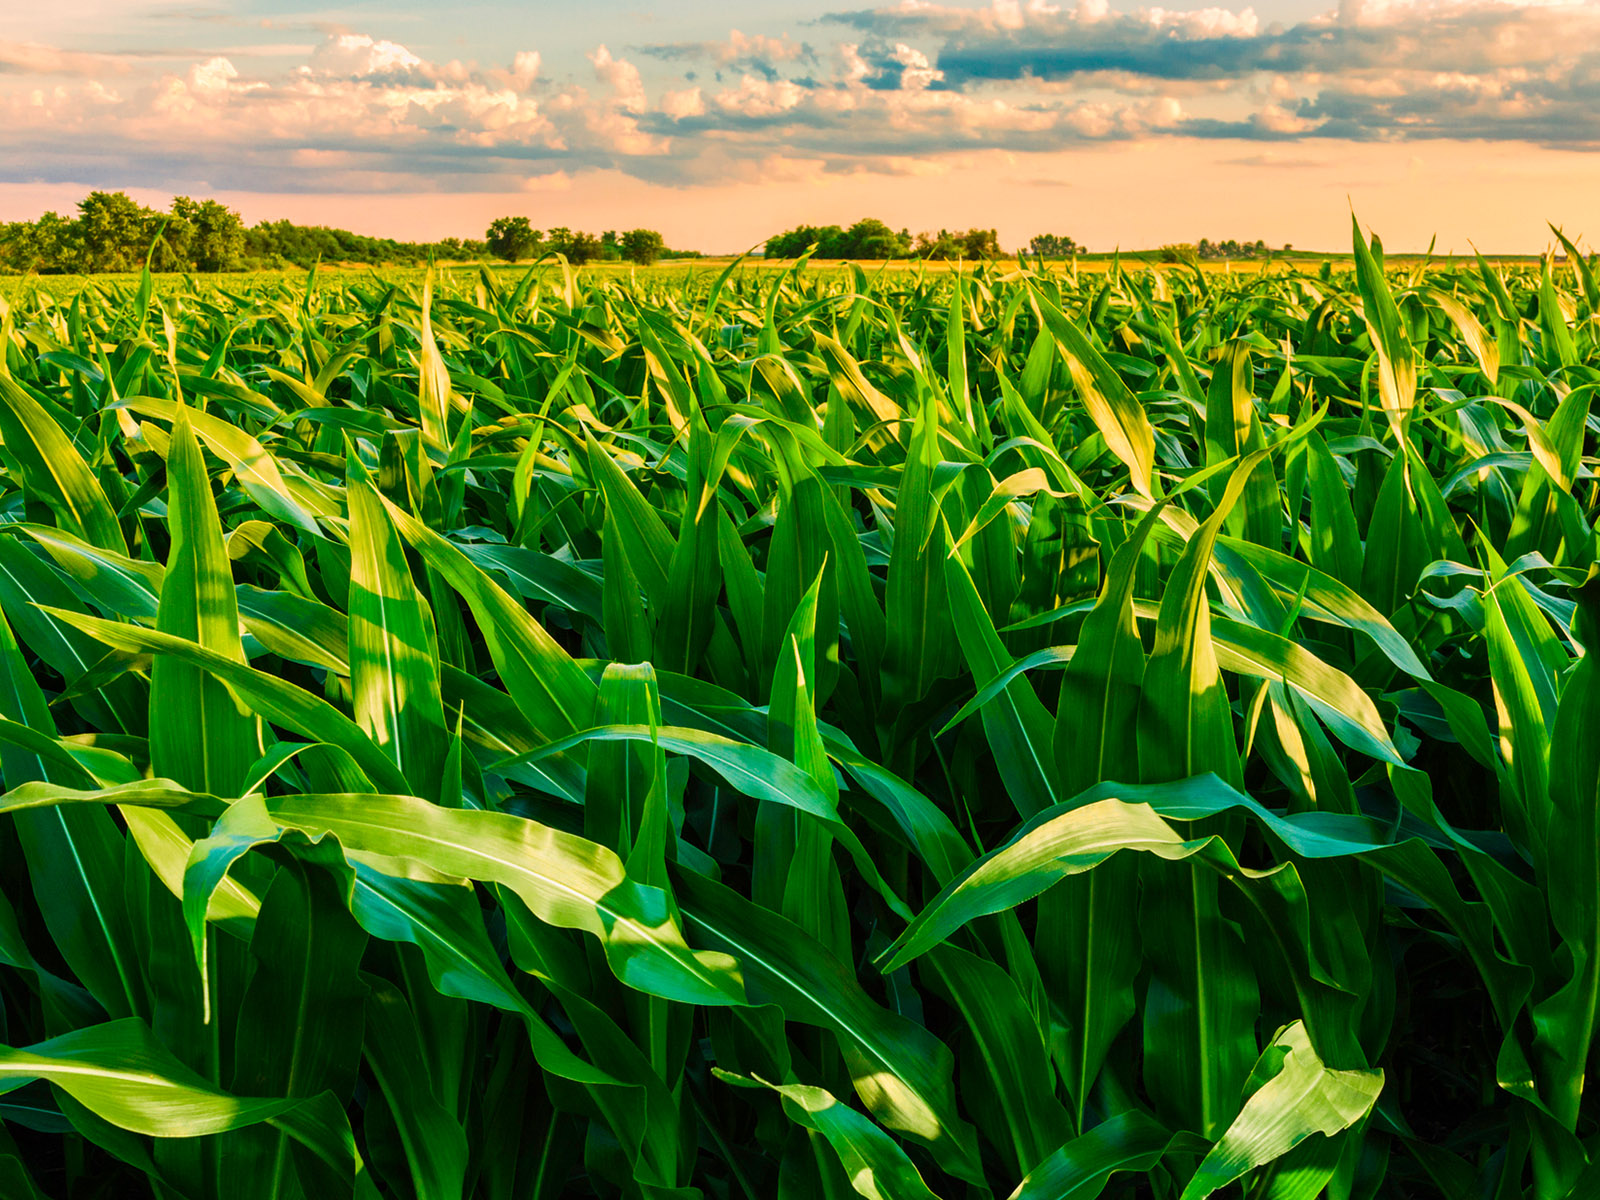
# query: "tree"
{"type": "Point", "coordinates": [943, 244]}
{"type": "Point", "coordinates": [512, 238]}
{"type": "Point", "coordinates": [577, 247]}
{"type": "Point", "coordinates": [871, 238]}
{"type": "Point", "coordinates": [172, 247]}
{"type": "Point", "coordinates": [867, 238]}
{"type": "Point", "coordinates": [114, 231]}
{"type": "Point", "coordinates": [795, 242]}
{"type": "Point", "coordinates": [49, 245]}
{"type": "Point", "coordinates": [981, 243]}
{"type": "Point", "coordinates": [642, 246]}
{"type": "Point", "coordinates": [210, 233]}
{"type": "Point", "coordinates": [1232, 248]}
{"type": "Point", "coordinates": [1054, 245]}
{"type": "Point", "coordinates": [955, 243]}
{"type": "Point", "coordinates": [582, 247]}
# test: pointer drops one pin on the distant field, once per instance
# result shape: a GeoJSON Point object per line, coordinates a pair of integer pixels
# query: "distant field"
{"type": "Point", "coordinates": [673, 271]}
{"type": "Point", "coordinates": [336, 277]}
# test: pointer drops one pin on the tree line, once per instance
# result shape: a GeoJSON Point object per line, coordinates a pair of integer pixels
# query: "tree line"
{"type": "Point", "coordinates": [871, 238]}
{"type": "Point", "coordinates": [113, 232]}
{"type": "Point", "coordinates": [1229, 248]}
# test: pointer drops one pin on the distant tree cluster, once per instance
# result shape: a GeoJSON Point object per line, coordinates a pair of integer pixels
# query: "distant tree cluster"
{"type": "Point", "coordinates": [1054, 245]}
{"type": "Point", "coordinates": [958, 243]}
{"type": "Point", "coordinates": [579, 247]}
{"type": "Point", "coordinates": [515, 239]}
{"type": "Point", "coordinates": [1206, 248]}
{"type": "Point", "coordinates": [114, 232]}
{"type": "Point", "coordinates": [1192, 252]}
{"type": "Point", "coordinates": [642, 246]}
{"type": "Point", "coordinates": [511, 238]}
{"type": "Point", "coordinates": [283, 243]}
{"type": "Point", "coordinates": [868, 238]}
{"type": "Point", "coordinates": [871, 238]}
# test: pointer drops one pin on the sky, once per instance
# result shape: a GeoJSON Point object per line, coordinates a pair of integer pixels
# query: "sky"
{"type": "Point", "coordinates": [1472, 121]}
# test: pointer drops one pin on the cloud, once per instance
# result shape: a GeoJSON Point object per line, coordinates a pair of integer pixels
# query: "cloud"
{"type": "Point", "coordinates": [33, 58]}
{"type": "Point", "coordinates": [360, 114]}
{"type": "Point", "coordinates": [916, 87]}
{"type": "Point", "coordinates": [357, 56]}
{"type": "Point", "coordinates": [1010, 42]}
{"type": "Point", "coordinates": [1270, 161]}
{"type": "Point", "coordinates": [851, 123]}
{"type": "Point", "coordinates": [737, 52]}
{"type": "Point", "coordinates": [1369, 69]}
{"type": "Point", "coordinates": [363, 113]}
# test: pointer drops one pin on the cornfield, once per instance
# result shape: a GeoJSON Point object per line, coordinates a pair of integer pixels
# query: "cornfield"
{"type": "Point", "coordinates": [802, 733]}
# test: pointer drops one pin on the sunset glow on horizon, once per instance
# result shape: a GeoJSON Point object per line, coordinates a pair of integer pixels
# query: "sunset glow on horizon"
{"type": "Point", "coordinates": [1473, 121]}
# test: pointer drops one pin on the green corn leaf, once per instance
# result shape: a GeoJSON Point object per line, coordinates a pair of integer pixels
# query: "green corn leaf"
{"type": "Point", "coordinates": [901, 1072]}
{"type": "Point", "coordinates": [1397, 365]}
{"type": "Point", "coordinates": [433, 379]}
{"type": "Point", "coordinates": [541, 677]}
{"type": "Point", "coordinates": [1233, 430]}
{"type": "Point", "coordinates": [1335, 547]}
{"type": "Point", "coordinates": [436, 1146]}
{"type": "Point", "coordinates": [52, 469]}
{"type": "Point", "coordinates": [1185, 725]}
{"type": "Point", "coordinates": [565, 880]}
{"type": "Point", "coordinates": [445, 924]}
{"type": "Point", "coordinates": [1095, 718]}
{"type": "Point", "coordinates": [199, 733]}
{"type": "Point", "coordinates": [1115, 410]}
{"type": "Point", "coordinates": [1560, 349]}
{"type": "Point", "coordinates": [127, 586]}
{"type": "Point", "coordinates": [299, 1027]}
{"type": "Point", "coordinates": [876, 1167]}
{"type": "Point", "coordinates": [1012, 1052]}
{"type": "Point", "coordinates": [625, 796]}
{"type": "Point", "coordinates": [920, 644]}
{"type": "Point", "coordinates": [126, 1077]}
{"type": "Point", "coordinates": [1566, 1022]}
{"type": "Point", "coordinates": [393, 655]}
{"type": "Point", "coordinates": [694, 576]}
{"type": "Point", "coordinates": [1297, 1097]}
{"type": "Point", "coordinates": [274, 699]}
{"type": "Point", "coordinates": [754, 771]}
{"type": "Point", "coordinates": [644, 537]}
{"type": "Point", "coordinates": [1080, 834]}
{"type": "Point", "coordinates": [74, 855]}
{"type": "Point", "coordinates": [1017, 724]}
{"type": "Point", "coordinates": [797, 849]}
{"type": "Point", "coordinates": [257, 471]}
{"type": "Point", "coordinates": [1081, 1168]}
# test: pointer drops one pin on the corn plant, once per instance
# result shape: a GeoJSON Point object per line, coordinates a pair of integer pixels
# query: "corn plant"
{"type": "Point", "coordinates": [995, 733]}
